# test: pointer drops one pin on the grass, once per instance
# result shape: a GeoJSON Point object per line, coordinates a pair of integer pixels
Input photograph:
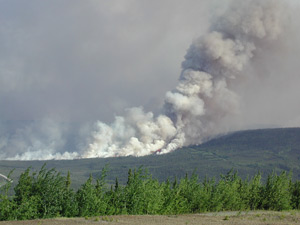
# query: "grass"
{"type": "Point", "coordinates": [245, 218]}
{"type": "Point", "coordinates": [226, 218]}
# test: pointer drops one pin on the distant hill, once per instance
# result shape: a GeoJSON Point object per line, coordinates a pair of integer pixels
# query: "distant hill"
{"type": "Point", "coordinates": [247, 152]}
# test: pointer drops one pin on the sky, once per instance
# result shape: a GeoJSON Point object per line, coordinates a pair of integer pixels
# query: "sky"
{"type": "Point", "coordinates": [87, 60]}
{"type": "Point", "coordinates": [77, 62]}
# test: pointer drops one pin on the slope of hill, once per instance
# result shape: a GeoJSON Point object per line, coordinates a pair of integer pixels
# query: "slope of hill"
{"type": "Point", "coordinates": [245, 151]}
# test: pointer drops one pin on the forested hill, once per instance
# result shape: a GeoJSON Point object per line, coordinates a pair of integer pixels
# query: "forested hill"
{"type": "Point", "coordinates": [245, 151]}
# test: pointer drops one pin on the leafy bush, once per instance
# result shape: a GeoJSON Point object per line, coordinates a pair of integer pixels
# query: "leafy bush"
{"type": "Point", "coordinates": [47, 194]}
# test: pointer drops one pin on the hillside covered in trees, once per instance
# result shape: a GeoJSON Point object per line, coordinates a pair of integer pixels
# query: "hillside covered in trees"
{"type": "Point", "coordinates": [247, 152]}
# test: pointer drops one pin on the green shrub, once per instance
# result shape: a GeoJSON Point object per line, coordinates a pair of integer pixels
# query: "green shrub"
{"type": "Point", "coordinates": [47, 194]}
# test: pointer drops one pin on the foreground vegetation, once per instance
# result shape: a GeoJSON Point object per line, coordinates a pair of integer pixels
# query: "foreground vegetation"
{"type": "Point", "coordinates": [47, 194]}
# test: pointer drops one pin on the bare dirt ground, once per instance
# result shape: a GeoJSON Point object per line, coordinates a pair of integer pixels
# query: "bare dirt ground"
{"type": "Point", "coordinates": [232, 218]}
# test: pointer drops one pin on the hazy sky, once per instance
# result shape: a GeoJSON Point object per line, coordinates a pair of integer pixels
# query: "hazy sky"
{"type": "Point", "coordinates": [73, 60]}
{"type": "Point", "coordinates": [87, 60]}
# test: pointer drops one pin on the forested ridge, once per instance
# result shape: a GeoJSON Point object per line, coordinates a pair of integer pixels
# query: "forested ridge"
{"type": "Point", "coordinates": [48, 194]}
{"type": "Point", "coordinates": [247, 152]}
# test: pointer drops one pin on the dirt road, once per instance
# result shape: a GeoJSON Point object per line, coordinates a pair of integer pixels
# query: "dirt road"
{"type": "Point", "coordinates": [232, 218]}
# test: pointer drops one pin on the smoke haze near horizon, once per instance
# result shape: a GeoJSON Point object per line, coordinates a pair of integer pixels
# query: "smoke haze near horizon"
{"type": "Point", "coordinates": [66, 64]}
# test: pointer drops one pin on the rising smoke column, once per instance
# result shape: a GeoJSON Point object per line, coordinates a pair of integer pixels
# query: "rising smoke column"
{"type": "Point", "coordinates": [204, 95]}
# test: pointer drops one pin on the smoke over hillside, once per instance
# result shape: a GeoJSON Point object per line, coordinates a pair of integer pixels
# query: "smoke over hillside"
{"type": "Point", "coordinates": [216, 92]}
{"type": "Point", "coordinates": [203, 96]}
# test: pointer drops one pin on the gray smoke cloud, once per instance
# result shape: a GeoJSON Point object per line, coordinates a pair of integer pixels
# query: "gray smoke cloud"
{"type": "Point", "coordinates": [204, 96]}
{"type": "Point", "coordinates": [41, 140]}
{"type": "Point", "coordinates": [232, 77]}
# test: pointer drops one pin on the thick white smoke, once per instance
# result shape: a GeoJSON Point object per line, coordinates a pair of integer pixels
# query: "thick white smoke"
{"type": "Point", "coordinates": [39, 140]}
{"type": "Point", "coordinates": [204, 96]}
{"type": "Point", "coordinates": [217, 69]}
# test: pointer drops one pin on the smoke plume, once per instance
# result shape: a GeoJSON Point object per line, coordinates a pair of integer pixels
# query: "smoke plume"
{"type": "Point", "coordinates": [195, 109]}
{"type": "Point", "coordinates": [39, 140]}
{"type": "Point", "coordinates": [228, 76]}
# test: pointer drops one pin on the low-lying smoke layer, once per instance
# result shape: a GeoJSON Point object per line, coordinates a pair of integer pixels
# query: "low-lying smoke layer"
{"type": "Point", "coordinates": [200, 106]}
{"type": "Point", "coordinates": [203, 97]}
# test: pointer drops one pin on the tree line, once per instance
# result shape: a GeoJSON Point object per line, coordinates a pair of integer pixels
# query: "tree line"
{"type": "Point", "coordinates": [48, 194]}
